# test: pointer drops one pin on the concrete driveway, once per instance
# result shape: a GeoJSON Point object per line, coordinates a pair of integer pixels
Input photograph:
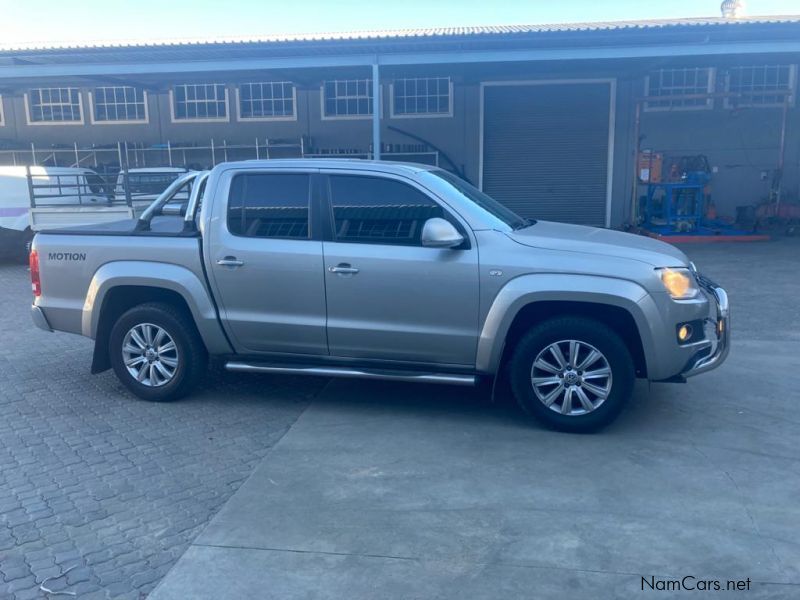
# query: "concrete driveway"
{"type": "Point", "coordinates": [400, 491]}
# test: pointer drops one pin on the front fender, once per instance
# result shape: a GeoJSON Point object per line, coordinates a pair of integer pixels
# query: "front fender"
{"type": "Point", "coordinates": [527, 289]}
{"type": "Point", "coordinates": [157, 275]}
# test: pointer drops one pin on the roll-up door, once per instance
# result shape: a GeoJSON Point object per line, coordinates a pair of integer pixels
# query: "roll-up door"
{"type": "Point", "coordinates": [546, 149]}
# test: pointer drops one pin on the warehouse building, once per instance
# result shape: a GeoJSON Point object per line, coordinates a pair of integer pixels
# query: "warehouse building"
{"type": "Point", "coordinates": [551, 120]}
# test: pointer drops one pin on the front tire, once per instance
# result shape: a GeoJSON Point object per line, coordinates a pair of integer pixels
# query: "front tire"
{"type": "Point", "coordinates": [572, 373]}
{"type": "Point", "coordinates": [156, 352]}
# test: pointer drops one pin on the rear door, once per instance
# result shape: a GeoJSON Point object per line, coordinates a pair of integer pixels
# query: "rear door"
{"type": "Point", "coordinates": [266, 262]}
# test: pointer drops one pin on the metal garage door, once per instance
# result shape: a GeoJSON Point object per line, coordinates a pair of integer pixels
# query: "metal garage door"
{"type": "Point", "coordinates": [546, 149]}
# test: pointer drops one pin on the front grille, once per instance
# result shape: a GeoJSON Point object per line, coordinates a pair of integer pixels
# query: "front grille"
{"type": "Point", "coordinates": [705, 282]}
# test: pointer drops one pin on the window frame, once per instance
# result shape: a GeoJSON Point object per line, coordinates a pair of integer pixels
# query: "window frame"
{"type": "Point", "coordinates": [174, 119]}
{"type": "Point", "coordinates": [33, 123]}
{"type": "Point", "coordinates": [94, 121]}
{"type": "Point", "coordinates": [240, 118]}
{"type": "Point", "coordinates": [312, 203]}
{"type": "Point", "coordinates": [328, 220]}
{"type": "Point", "coordinates": [791, 88]}
{"type": "Point", "coordinates": [709, 102]}
{"type": "Point", "coordinates": [450, 101]}
{"type": "Point", "coordinates": [364, 117]}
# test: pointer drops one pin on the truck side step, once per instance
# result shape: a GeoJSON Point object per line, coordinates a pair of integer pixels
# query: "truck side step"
{"type": "Point", "coordinates": [386, 375]}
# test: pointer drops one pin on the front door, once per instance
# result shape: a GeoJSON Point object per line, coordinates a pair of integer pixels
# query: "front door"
{"type": "Point", "coordinates": [266, 266]}
{"type": "Point", "coordinates": [388, 296]}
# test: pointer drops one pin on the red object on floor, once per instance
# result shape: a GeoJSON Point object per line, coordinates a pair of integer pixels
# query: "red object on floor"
{"type": "Point", "coordinates": [707, 239]}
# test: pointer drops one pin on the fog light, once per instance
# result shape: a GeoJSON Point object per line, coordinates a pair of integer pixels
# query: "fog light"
{"type": "Point", "coordinates": [720, 327]}
{"type": "Point", "coordinates": [684, 332]}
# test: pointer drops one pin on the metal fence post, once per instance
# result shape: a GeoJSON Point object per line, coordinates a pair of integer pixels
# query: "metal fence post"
{"type": "Point", "coordinates": [126, 182]}
{"type": "Point", "coordinates": [30, 184]}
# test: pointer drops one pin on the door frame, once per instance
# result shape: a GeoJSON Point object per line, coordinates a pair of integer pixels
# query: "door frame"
{"type": "Point", "coordinates": [612, 113]}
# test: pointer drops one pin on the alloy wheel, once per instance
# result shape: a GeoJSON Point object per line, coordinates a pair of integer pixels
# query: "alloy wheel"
{"type": "Point", "coordinates": [150, 354]}
{"type": "Point", "coordinates": [571, 377]}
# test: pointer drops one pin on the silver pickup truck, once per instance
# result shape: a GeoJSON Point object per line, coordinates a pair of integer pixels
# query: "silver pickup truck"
{"type": "Point", "coordinates": [383, 271]}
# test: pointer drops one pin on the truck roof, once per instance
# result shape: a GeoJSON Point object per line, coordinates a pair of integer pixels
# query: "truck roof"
{"type": "Point", "coordinates": [158, 170]}
{"type": "Point", "coordinates": [37, 170]}
{"type": "Point", "coordinates": [383, 166]}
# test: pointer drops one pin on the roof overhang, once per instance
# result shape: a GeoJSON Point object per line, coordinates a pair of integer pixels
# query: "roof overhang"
{"type": "Point", "coordinates": [511, 44]}
{"type": "Point", "coordinates": [21, 71]}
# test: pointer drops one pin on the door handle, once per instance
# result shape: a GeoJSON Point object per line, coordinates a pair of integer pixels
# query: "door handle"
{"type": "Point", "coordinates": [344, 269]}
{"type": "Point", "coordinates": [230, 261]}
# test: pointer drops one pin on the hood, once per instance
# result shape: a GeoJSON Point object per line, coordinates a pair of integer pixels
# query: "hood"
{"type": "Point", "coordinates": [597, 241]}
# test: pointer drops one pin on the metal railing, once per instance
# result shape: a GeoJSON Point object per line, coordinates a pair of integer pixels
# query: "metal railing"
{"type": "Point", "coordinates": [109, 159]}
{"type": "Point", "coordinates": [46, 189]}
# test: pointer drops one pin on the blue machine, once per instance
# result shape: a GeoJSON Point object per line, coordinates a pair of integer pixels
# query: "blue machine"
{"type": "Point", "coordinates": [676, 206]}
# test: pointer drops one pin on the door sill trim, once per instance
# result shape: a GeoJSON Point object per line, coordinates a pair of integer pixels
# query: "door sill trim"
{"type": "Point", "coordinates": [384, 374]}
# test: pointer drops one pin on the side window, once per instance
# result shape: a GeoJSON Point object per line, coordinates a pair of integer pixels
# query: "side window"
{"type": "Point", "coordinates": [269, 205]}
{"type": "Point", "coordinates": [373, 210]}
{"type": "Point", "coordinates": [95, 183]}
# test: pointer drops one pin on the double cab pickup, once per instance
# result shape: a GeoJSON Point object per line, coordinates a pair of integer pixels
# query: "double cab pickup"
{"type": "Point", "coordinates": [377, 270]}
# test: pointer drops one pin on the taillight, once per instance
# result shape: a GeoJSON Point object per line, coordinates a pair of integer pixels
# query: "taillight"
{"type": "Point", "coordinates": [36, 282]}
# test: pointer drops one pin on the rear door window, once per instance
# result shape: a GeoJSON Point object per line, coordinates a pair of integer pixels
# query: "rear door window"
{"type": "Point", "coordinates": [270, 205]}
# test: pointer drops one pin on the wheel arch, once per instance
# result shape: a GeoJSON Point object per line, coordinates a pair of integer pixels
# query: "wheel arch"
{"type": "Point", "coordinates": [117, 287]}
{"type": "Point", "coordinates": [528, 300]}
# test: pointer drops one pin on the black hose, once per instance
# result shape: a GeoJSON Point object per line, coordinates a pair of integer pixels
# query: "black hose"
{"type": "Point", "coordinates": [443, 154]}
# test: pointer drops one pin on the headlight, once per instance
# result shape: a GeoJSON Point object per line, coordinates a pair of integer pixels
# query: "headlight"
{"type": "Point", "coordinates": [679, 283]}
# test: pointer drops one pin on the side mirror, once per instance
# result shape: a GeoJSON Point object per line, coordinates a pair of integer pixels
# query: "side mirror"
{"type": "Point", "coordinates": [440, 233]}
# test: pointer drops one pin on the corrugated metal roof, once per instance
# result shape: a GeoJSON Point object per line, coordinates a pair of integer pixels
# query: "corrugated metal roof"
{"type": "Point", "coordinates": [410, 34]}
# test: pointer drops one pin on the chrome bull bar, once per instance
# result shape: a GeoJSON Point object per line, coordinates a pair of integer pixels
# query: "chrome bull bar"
{"type": "Point", "coordinates": [721, 326]}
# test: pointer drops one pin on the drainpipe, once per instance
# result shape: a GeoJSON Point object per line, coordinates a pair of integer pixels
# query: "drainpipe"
{"type": "Point", "coordinates": [376, 111]}
{"type": "Point", "coordinates": [781, 153]}
{"type": "Point", "coordinates": [637, 124]}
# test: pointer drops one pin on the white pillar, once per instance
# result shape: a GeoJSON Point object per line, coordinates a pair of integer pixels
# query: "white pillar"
{"type": "Point", "coordinates": [376, 112]}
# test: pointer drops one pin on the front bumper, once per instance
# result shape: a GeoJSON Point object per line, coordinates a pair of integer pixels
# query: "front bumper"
{"type": "Point", "coordinates": [718, 352]}
{"type": "Point", "coordinates": [37, 314]}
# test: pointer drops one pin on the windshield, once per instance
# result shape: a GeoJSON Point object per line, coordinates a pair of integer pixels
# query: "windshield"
{"type": "Point", "coordinates": [487, 203]}
{"type": "Point", "coordinates": [95, 183]}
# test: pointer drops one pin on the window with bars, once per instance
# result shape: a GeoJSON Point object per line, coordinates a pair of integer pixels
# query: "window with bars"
{"type": "Point", "coordinates": [421, 96]}
{"type": "Point", "coordinates": [344, 98]}
{"type": "Point", "coordinates": [267, 100]}
{"type": "Point", "coordinates": [759, 85]}
{"type": "Point", "coordinates": [118, 103]}
{"type": "Point", "coordinates": [200, 102]}
{"type": "Point", "coordinates": [679, 82]}
{"type": "Point", "coordinates": [55, 105]}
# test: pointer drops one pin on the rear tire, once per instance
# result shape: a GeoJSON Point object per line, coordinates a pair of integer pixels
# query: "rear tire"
{"type": "Point", "coordinates": [556, 394]}
{"type": "Point", "coordinates": [156, 352]}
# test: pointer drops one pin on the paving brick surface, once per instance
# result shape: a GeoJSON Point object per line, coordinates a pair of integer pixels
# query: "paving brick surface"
{"type": "Point", "coordinates": [93, 478]}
